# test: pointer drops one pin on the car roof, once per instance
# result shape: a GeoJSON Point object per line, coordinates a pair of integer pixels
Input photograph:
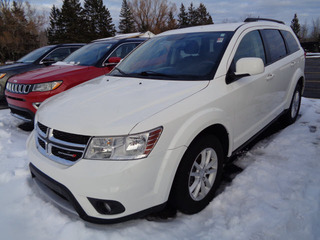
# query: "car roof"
{"type": "Point", "coordinates": [69, 44]}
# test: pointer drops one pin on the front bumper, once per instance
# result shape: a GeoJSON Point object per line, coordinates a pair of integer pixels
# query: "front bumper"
{"type": "Point", "coordinates": [21, 105]}
{"type": "Point", "coordinates": [140, 186]}
{"type": "Point", "coordinates": [63, 197]}
{"type": "Point", "coordinates": [22, 113]}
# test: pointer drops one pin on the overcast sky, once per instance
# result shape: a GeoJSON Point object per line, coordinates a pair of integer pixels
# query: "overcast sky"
{"type": "Point", "coordinates": [222, 10]}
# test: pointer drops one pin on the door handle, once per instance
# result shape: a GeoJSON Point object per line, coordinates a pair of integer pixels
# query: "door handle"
{"type": "Point", "coordinates": [270, 76]}
{"type": "Point", "coordinates": [292, 63]}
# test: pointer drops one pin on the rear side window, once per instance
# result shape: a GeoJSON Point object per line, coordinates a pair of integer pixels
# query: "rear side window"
{"type": "Point", "coordinates": [291, 42]}
{"type": "Point", "coordinates": [276, 48]}
{"type": "Point", "coordinates": [58, 54]}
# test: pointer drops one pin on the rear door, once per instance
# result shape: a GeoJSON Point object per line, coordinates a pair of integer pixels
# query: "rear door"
{"type": "Point", "coordinates": [280, 69]}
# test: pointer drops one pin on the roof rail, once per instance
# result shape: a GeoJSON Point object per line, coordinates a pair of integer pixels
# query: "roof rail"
{"type": "Point", "coordinates": [262, 19]}
{"type": "Point", "coordinates": [146, 34]}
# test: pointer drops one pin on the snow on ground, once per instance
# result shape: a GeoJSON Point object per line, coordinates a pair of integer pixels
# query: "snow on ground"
{"type": "Point", "coordinates": [276, 196]}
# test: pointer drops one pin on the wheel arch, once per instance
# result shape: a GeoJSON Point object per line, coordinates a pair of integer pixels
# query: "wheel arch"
{"type": "Point", "coordinates": [299, 78]}
{"type": "Point", "coordinates": [221, 134]}
{"type": "Point", "coordinates": [219, 131]}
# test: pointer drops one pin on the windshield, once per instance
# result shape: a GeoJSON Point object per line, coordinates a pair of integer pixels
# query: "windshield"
{"type": "Point", "coordinates": [34, 55]}
{"type": "Point", "coordinates": [89, 55]}
{"type": "Point", "coordinates": [188, 56]}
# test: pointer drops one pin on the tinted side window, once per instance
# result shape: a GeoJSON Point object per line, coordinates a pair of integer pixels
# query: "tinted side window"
{"type": "Point", "coordinates": [276, 48]}
{"type": "Point", "coordinates": [124, 49]}
{"type": "Point", "coordinates": [291, 42]}
{"type": "Point", "coordinates": [250, 46]}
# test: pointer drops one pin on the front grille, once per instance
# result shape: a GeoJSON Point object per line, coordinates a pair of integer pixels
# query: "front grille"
{"type": "Point", "coordinates": [62, 147]}
{"type": "Point", "coordinates": [43, 128]}
{"type": "Point", "coordinates": [69, 137]}
{"type": "Point", "coordinates": [42, 143]}
{"type": "Point", "coordinates": [19, 88]}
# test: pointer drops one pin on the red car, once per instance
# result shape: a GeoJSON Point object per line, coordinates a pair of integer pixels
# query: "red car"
{"type": "Point", "coordinates": [25, 92]}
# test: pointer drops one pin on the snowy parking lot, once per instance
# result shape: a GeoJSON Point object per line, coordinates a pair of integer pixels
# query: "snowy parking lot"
{"type": "Point", "coordinates": [276, 196]}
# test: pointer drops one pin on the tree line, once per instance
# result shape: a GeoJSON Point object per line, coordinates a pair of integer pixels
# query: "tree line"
{"type": "Point", "coordinates": [95, 21]}
{"type": "Point", "coordinates": [74, 23]}
{"type": "Point", "coordinates": [21, 28]}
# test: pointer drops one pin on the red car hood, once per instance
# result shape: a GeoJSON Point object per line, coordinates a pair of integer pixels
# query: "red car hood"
{"type": "Point", "coordinates": [50, 73]}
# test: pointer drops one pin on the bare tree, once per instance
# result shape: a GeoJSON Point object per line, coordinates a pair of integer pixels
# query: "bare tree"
{"type": "Point", "coordinates": [315, 34]}
{"type": "Point", "coordinates": [151, 15]}
{"type": "Point", "coordinates": [20, 28]}
{"type": "Point", "coordinates": [304, 32]}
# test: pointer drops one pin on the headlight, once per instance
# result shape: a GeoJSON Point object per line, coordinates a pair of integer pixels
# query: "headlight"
{"type": "Point", "coordinates": [134, 146]}
{"type": "Point", "coordinates": [2, 75]}
{"type": "Point", "coordinates": [43, 87]}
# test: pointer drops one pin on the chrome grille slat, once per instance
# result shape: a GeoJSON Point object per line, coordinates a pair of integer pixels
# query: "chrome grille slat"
{"type": "Point", "coordinates": [60, 150]}
{"type": "Point", "coordinates": [19, 88]}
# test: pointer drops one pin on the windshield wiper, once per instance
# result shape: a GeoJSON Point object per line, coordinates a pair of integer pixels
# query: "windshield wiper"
{"type": "Point", "coordinates": [153, 73]}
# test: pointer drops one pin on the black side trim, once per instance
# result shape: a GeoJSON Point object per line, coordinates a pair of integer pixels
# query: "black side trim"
{"type": "Point", "coordinates": [256, 135]}
{"type": "Point", "coordinates": [65, 192]}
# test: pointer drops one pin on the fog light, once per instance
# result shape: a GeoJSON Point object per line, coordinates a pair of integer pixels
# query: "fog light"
{"type": "Point", "coordinates": [107, 207]}
{"type": "Point", "coordinates": [36, 105]}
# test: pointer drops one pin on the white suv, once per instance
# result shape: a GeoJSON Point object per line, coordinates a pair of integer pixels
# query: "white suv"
{"type": "Point", "coordinates": [158, 130]}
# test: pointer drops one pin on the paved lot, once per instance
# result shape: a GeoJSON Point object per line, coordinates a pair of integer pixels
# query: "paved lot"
{"type": "Point", "coordinates": [312, 73]}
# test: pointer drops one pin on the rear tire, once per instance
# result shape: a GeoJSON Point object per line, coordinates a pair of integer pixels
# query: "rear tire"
{"type": "Point", "coordinates": [198, 175]}
{"type": "Point", "coordinates": [293, 112]}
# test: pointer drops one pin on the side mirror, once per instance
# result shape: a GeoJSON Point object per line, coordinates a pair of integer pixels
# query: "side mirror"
{"type": "Point", "coordinates": [249, 66]}
{"type": "Point", "coordinates": [245, 67]}
{"type": "Point", "coordinates": [113, 61]}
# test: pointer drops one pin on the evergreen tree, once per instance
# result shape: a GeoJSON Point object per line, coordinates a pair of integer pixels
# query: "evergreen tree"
{"type": "Point", "coordinates": [295, 25]}
{"type": "Point", "coordinates": [126, 24]}
{"type": "Point", "coordinates": [98, 20]}
{"type": "Point", "coordinates": [193, 16]}
{"type": "Point", "coordinates": [183, 17]}
{"type": "Point", "coordinates": [71, 22]}
{"type": "Point", "coordinates": [54, 28]}
{"type": "Point", "coordinates": [203, 15]}
{"type": "Point", "coordinates": [172, 23]}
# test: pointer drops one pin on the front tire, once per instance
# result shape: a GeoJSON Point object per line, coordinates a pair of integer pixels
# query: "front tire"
{"type": "Point", "coordinates": [198, 175]}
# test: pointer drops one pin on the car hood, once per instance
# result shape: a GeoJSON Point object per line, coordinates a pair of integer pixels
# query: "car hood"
{"type": "Point", "coordinates": [13, 67]}
{"type": "Point", "coordinates": [47, 74]}
{"type": "Point", "coordinates": [112, 106]}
